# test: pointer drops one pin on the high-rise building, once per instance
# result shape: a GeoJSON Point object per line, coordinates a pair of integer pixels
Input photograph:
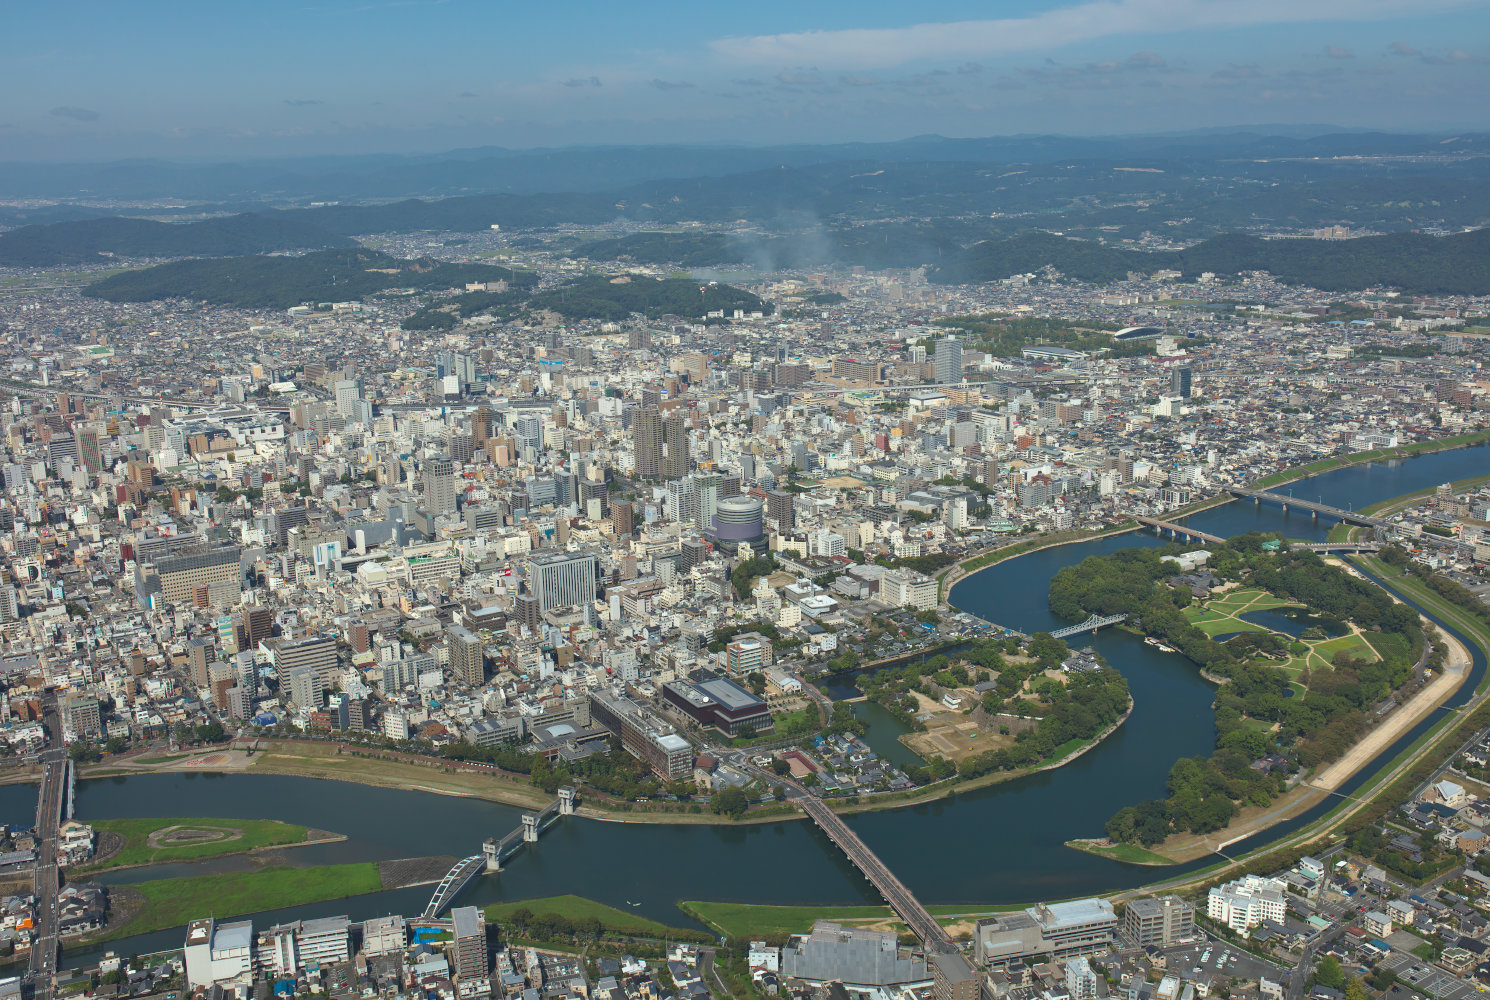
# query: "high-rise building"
{"type": "Point", "coordinates": [646, 431]}
{"type": "Point", "coordinates": [621, 517]}
{"type": "Point", "coordinates": [467, 656]}
{"type": "Point", "coordinates": [179, 574]}
{"type": "Point", "coordinates": [563, 579]}
{"type": "Point", "coordinates": [469, 945]}
{"type": "Point", "coordinates": [948, 360]}
{"type": "Point", "coordinates": [304, 687]}
{"type": "Point", "coordinates": [1180, 377]}
{"type": "Point", "coordinates": [88, 449]}
{"type": "Point", "coordinates": [318, 652]}
{"type": "Point", "coordinates": [348, 392]}
{"type": "Point", "coordinates": [781, 508]}
{"type": "Point", "coordinates": [675, 435]}
{"type": "Point", "coordinates": [1158, 922]}
{"type": "Point", "coordinates": [439, 485]}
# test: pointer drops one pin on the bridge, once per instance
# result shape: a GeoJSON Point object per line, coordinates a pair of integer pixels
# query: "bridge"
{"type": "Point", "coordinates": [1356, 547]}
{"type": "Point", "coordinates": [933, 936]}
{"type": "Point", "coordinates": [1090, 625]}
{"type": "Point", "coordinates": [495, 851]}
{"type": "Point", "coordinates": [1180, 530]}
{"type": "Point", "coordinates": [464, 872]}
{"type": "Point", "coordinates": [1348, 516]}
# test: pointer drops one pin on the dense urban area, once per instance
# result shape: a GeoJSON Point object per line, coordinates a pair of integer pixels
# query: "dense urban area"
{"type": "Point", "coordinates": [622, 521]}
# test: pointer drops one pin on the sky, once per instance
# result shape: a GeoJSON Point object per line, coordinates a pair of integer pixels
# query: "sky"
{"type": "Point", "coordinates": [235, 80]}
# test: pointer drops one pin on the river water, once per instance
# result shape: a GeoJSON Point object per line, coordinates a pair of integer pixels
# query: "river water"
{"type": "Point", "coordinates": [1002, 844]}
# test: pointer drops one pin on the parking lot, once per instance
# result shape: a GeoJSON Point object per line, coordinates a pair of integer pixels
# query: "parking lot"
{"type": "Point", "coordinates": [1429, 979]}
{"type": "Point", "coordinates": [1213, 959]}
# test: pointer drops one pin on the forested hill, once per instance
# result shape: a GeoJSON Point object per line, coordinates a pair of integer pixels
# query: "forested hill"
{"type": "Point", "coordinates": [281, 282]}
{"type": "Point", "coordinates": [90, 241]}
{"type": "Point", "coordinates": [1411, 262]}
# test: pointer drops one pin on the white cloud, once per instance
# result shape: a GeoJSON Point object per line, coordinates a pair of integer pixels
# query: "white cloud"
{"type": "Point", "coordinates": [866, 48]}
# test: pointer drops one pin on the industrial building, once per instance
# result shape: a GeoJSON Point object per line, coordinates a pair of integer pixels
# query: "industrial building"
{"type": "Point", "coordinates": [1060, 930]}
{"type": "Point", "coordinates": [851, 955]}
{"type": "Point", "coordinates": [218, 953]}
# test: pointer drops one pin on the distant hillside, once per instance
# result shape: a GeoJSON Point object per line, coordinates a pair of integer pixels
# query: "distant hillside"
{"type": "Point", "coordinates": [1449, 265]}
{"type": "Point", "coordinates": [281, 282]}
{"type": "Point", "coordinates": [87, 241]}
{"type": "Point", "coordinates": [602, 298]}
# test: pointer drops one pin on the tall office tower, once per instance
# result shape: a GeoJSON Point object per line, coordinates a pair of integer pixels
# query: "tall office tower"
{"type": "Point", "coordinates": [439, 484]}
{"type": "Point", "coordinates": [675, 432]}
{"type": "Point", "coordinates": [467, 656]}
{"type": "Point", "coordinates": [646, 431]}
{"type": "Point", "coordinates": [781, 508]}
{"type": "Point", "coordinates": [638, 339]}
{"type": "Point", "coordinates": [1180, 377]}
{"type": "Point", "coordinates": [620, 517]}
{"type": "Point", "coordinates": [566, 488]}
{"type": "Point", "coordinates": [481, 425]}
{"type": "Point", "coordinates": [563, 579]}
{"type": "Point", "coordinates": [948, 360]}
{"type": "Point", "coordinates": [88, 449]}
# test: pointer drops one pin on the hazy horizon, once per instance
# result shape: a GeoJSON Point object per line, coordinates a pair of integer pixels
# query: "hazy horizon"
{"type": "Point", "coordinates": [170, 81]}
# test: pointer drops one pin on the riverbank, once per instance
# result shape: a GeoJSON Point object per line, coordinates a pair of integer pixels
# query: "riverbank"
{"type": "Point", "coordinates": [1180, 848]}
{"type": "Point", "coordinates": [1396, 778]}
{"type": "Point", "coordinates": [173, 902]}
{"type": "Point", "coordinates": [1377, 455]}
{"type": "Point", "coordinates": [956, 573]}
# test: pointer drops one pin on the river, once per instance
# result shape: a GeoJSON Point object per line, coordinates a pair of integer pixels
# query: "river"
{"type": "Point", "coordinates": [1001, 844]}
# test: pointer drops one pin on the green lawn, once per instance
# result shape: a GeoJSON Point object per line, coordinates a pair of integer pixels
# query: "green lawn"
{"type": "Point", "coordinates": [251, 833]}
{"type": "Point", "coordinates": [172, 902]}
{"type": "Point", "coordinates": [1350, 644]}
{"type": "Point", "coordinates": [1130, 853]}
{"type": "Point", "coordinates": [578, 907]}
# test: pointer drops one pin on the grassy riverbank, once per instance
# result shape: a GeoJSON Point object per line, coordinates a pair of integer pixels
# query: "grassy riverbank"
{"type": "Point", "coordinates": [613, 919]}
{"type": "Point", "coordinates": [148, 841]}
{"type": "Point", "coordinates": [172, 902]}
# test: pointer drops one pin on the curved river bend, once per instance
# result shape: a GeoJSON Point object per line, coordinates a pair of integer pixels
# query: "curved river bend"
{"type": "Point", "coordinates": [1002, 844]}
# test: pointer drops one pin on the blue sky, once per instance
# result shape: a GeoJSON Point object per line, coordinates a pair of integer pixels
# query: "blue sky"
{"type": "Point", "coordinates": [241, 79]}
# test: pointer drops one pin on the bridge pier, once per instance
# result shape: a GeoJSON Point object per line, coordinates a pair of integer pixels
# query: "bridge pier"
{"type": "Point", "coordinates": [1257, 501]}
{"type": "Point", "coordinates": [566, 800]}
{"type": "Point", "coordinates": [492, 851]}
{"type": "Point", "coordinates": [1285, 506]}
{"type": "Point", "coordinates": [1316, 514]}
{"type": "Point", "coordinates": [530, 828]}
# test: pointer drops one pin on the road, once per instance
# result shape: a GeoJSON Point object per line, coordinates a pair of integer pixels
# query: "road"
{"type": "Point", "coordinates": [42, 966]}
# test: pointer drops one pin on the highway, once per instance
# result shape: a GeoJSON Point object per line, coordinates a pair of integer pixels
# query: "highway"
{"type": "Point", "coordinates": [42, 967]}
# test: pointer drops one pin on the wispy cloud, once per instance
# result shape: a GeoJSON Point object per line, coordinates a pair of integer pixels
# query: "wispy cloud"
{"type": "Point", "coordinates": [302, 102]}
{"type": "Point", "coordinates": [582, 81]}
{"type": "Point", "coordinates": [76, 114]}
{"type": "Point", "coordinates": [1336, 52]}
{"type": "Point", "coordinates": [881, 47]}
{"type": "Point", "coordinates": [1402, 49]}
{"type": "Point", "coordinates": [800, 78]}
{"type": "Point", "coordinates": [670, 84]}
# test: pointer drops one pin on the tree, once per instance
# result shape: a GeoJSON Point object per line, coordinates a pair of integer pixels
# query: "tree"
{"type": "Point", "coordinates": [731, 802]}
{"type": "Point", "coordinates": [1328, 973]}
{"type": "Point", "coordinates": [756, 681]}
{"type": "Point", "coordinates": [780, 766]}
